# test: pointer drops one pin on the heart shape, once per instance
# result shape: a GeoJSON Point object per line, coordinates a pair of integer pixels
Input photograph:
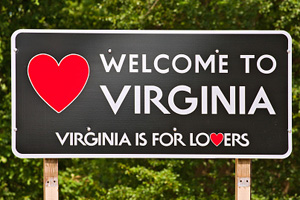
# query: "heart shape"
{"type": "Point", "coordinates": [216, 138]}
{"type": "Point", "coordinates": [58, 84]}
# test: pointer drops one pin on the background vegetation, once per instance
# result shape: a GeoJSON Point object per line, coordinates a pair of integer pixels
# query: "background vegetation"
{"type": "Point", "coordinates": [147, 178]}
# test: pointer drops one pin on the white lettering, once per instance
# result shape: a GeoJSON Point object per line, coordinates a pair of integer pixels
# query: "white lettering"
{"type": "Point", "coordinates": [162, 71]}
{"type": "Point", "coordinates": [155, 100]}
{"type": "Point", "coordinates": [261, 95]}
{"type": "Point", "coordinates": [115, 105]}
{"type": "Point", "coordinates": [192, 101]}
{"type": "Point", "coordinates": [274, 64]}
{"type": "Point", "coordinates": [133, 63]}
{"type": "Point", "coordinates": [209, 61]}
{"type": "Point", "coordinates": [217, 94]}
{"type": "Point", "coordinates": [188, 67]}
{"type": "Point", "coordinates": [247, 62]}
{"type": "Point", "coordinates": [223, 63]}
{"type": "Point", "coordinates": [62, 141]}
{"type": "Point", "coordinates": [113, 63]}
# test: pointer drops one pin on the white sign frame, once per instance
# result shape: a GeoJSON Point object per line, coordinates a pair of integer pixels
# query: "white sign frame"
{"type": "Point", "coordinates": [192, 156]}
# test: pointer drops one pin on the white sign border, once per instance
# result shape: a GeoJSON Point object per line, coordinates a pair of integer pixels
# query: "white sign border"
{"type": "Point", "coordinates": [186, 156]}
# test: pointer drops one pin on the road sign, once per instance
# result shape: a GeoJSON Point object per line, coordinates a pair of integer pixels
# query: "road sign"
{"type": "Point", "coordinates": [151, 94]}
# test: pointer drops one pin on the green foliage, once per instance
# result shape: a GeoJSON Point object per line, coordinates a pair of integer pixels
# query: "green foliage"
{"type": "Point", "coordinates": [147, 178]}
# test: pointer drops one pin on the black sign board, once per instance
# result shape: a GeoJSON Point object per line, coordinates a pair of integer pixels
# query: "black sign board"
{"type": "Point", "coordinates": [151, 94]}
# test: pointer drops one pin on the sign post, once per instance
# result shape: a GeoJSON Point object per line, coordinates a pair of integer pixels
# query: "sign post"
{"type": "Point", "coordinates": [50, 179]}
{"type": "Point", "coordinates": [242, 179]}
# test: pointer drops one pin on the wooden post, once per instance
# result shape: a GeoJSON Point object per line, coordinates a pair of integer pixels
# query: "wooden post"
{"type": "Point", "coordinates": [242, 179]}
{"type": "Point", "coordinates": [50, 179]}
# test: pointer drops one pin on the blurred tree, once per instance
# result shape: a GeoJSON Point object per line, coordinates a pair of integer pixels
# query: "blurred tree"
{"type": "Point", "coordinates": [147, 178]}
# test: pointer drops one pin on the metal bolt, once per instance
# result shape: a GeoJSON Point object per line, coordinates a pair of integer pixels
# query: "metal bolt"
{"type": "Point", "coordinates": [217, 50]}
{"type": "Point", "coordinates": [109, 50]}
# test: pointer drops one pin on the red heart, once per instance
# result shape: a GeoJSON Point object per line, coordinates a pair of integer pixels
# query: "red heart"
{"type": "Point", "coordinates": [216, 138]}
{"type": "Point", "coordinates": [58, 84]}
